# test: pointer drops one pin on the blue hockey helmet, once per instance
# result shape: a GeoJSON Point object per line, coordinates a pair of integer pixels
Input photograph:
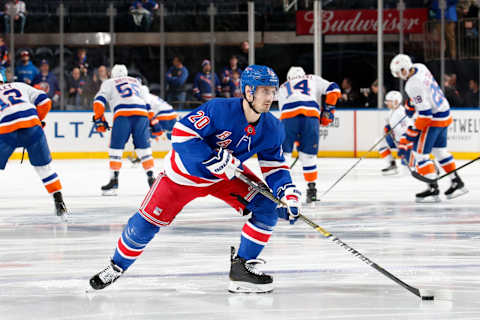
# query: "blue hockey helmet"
{"type": "Point", "coordinates": [256, 75]}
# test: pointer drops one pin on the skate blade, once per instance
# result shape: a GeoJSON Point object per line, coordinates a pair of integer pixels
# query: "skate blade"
{"type": "Point", "coordinates": [457, 193]}
{"type": "Point", "coordinates": [431, 199]}
{"type": "Point", "coordinates": [390, 173]}
{"type": "Point", "coordinates": [246, 287]}
{"type": "Point", "coordinates": [109, 193]}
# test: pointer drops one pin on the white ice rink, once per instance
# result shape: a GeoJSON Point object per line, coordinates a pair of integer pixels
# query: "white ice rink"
{"type": "Point", "coordinates": [183, 274]}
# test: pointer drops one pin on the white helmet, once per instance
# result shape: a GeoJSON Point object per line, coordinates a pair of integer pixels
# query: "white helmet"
{"type": "Point", "coordinates": [395, 97]}
{"type": "Point", "coordinates": [399, 62]}
{"type": "Point", "coordinates": [119, 70]}
{"type": "Point", "coordinates": [295, 72]}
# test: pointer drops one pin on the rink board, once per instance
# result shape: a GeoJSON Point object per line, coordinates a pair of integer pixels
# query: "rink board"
{"type": "Point", "coordinates": [71, 135]}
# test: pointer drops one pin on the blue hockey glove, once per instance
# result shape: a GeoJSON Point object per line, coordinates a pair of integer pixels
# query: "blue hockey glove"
{"type": "Point", "coordinates": [409, 108]}
{"type": "Point", "coordinates": [101, 125]}
{"type": "Point", "coordinates": [327, 116]}
{"type": "Point", "coordinates": [412, 134]}
{"type": "Point", "coordinates": [290, 195]}
{"type": "Point", "coordinates": [223, 164]}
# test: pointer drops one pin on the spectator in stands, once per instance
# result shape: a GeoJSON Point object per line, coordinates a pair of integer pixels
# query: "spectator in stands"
{"type": "Point", "coordinates": [206, 83]}
{"type": "Point", "coordinates": [142, 12]}
{"type": "Point", "coordinates": [4, 58]}
{"type": "Point", "coordinates": [20, 16]}
{"type": "Point", "coordinates": [25, 71]}
{"type": "Point", "coordinates": [47, 82]}
{"type": "Point", "coordinates": [176, 77]}
{"type": "Point", "coordinates": [94, 83]}
{"type": "Point", "coordinates": [450, 24]}
{"type": "Point", "coordinates": [242, 56]}
{"type": "Point", "coordinates": [471, 97]}
{"type": "Point", "coordinates": [371, 95]}
{"type": "Point", "coordinates": [75, 87]}
{"type": "Point", "coordinates": [451, 92]}
{"type": "Point", "coordinates": [81, 62]}
{"type": "Point", "coordinates": [234, 84]}
{"type": "Point", "coordinates": [226, 75]}
{"type": "Point", "coordinates": [10, 75]}
{"type": "Point", "coordinates": [350, 97]}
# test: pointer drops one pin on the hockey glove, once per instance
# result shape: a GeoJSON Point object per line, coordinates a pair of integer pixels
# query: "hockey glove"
{"type": "Point", "coordinates": [223, 164]}
{"type": "Point", "coordinates": [327, 115]}
{"type": "Point", "coordinates": [404, 147]}
{"type": "Point", "coordinates": [101, 125]}
{"type": "Point", "coordinates": [409, 108]}
{"type": "Point", "coordinates": [155, 128]}
{"type": "Point", "coordinates": [387, 128]}
{"type": "Point", "coordinates": [412, 134]}
{"type": "Point", "coordinates": [290, 195]}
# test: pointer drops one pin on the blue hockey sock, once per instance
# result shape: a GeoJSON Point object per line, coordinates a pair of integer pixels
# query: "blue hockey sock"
{"type": "Point", "coordinates": [135, 236]}
{"type": "Point", "coordinates": [254, 237]}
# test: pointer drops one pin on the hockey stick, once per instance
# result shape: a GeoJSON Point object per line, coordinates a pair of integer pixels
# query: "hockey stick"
{"type": "Point", "coordinates": [23, 155]}
{"type": "Point", "coordinates": [363, 157]}
{"type": "Point", "coordinates": [417, 175]}
{"type": "Point", "coordinates": [293, 163]}
{"type": "Point", "coordinates": [424, 294]}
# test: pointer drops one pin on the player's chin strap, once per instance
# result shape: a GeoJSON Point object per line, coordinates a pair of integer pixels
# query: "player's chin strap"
{"type": "Point", "coordinates": [251, 103]}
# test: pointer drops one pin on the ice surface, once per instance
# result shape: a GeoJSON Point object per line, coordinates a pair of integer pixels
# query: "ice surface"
{"type": "Point", "coordinates": [183, 274]}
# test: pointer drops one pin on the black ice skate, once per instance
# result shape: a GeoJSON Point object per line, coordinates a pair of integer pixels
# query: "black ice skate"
{"type": "Point", "coordinates": [60, 208]}
{"type": "Point", "coordinates": [110, 189]}
{"type": "Point", "coordinates": [391, 169]}
{"type": "Point", "coordinates": [245, 278]}
{"type": "Point", "coordinates": [150, 178]}
{"type": "Point", "coordinates": [430, 195]}
{"type": "Point", "coordinates": [311, 192]}
{"type": "Point", "coordinates": [456, 189]}
{"type": "Point", "coordinates": [106, 277]}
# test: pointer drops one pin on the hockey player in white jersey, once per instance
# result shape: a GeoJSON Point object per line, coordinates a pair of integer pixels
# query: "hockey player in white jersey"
{"type": "Point", "coordinates": [429, 131]}
{"type": "Point", "coordinates": [164, 116]}
{"type": "Point", "coordinates": [131, 117]}
{"type": "Point", "coordinates": [22, 110]}
{"type": "Point", "coordinates": [302, 111]}
{"type": "Point", "coordinates": [399, 122]}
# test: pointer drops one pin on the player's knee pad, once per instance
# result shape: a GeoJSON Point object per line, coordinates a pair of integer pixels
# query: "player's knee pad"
{"type": "Point", "coordinates": [264, 212]}
{"type": "Point", "coordinates": [139, 231]}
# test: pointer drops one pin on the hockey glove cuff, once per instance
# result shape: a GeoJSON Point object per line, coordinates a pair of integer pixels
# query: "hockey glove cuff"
{"type": "Point", "coordinates": [290, 195]}
{"type": "Point", "coordinates": [223, 164]}
{"type": "Point", "coordinates": [409, 108]}
{"type": "Point", "coordinates": [327, 116]}
{"type": "Point", "coordinates": [412, 134]}
{"type": "Point", "coordinates": [101, 125]}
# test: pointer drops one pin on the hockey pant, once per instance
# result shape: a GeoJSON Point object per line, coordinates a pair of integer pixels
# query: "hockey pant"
{"type": "Point", "coordinates": [167, 198]}
{"type": "Point", "coordinates": [139, 128]}
{"type": "Point", "coordinates": [34, 141]}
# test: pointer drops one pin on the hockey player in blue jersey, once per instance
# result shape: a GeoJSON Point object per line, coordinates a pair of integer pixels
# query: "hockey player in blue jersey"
{"type": "Point", "coordinates": [209, 145]}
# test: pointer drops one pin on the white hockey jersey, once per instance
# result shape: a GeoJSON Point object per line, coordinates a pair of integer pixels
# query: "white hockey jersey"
{"type": "Point", "coordinates": [430, 103]}
{"type": "Point", "coordinates": [124, 95]}
{"type": "Point", "coordinates": [21, 106]}
{"type": "Point", "coordinates": [394, 117]}
{"type": "Point", "coordinates": [303, 95]}
{"type": "Point", "coordinates": [158, 107]}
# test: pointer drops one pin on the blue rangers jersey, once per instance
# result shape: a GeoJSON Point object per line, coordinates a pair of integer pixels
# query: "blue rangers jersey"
{"type": "Point", "coordinates": [221, 123]}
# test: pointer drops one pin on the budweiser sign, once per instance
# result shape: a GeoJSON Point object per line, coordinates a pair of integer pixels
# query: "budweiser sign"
{"type": "Point", "coordinates": [362, 21]}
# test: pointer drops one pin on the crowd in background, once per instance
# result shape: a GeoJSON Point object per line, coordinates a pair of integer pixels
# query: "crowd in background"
{"type": "Point", "coordinates": [185, 88]}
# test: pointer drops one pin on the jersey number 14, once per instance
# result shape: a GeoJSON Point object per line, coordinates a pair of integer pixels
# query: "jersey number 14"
{"type": "Point", "coordinates": [301, 86]}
